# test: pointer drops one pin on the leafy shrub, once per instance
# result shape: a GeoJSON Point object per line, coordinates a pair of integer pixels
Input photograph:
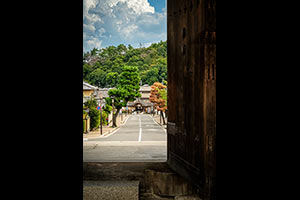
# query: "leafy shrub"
{"type": "Point", "coordinates": [91, 103]}
{"type": "Point", "coordinates": [94, 117]}
{"type": "Point", "coordinates": [84, 126]}
{"type": "Point", "coordinates": [104, 116]}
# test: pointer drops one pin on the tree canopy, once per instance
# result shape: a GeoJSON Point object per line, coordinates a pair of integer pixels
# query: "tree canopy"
{"type": "Point", "coordinates": [127, 90]}
{"type": "Point", "coordinates": [158, 96]}
{"type": "Point", "coordinates": [102, 67]}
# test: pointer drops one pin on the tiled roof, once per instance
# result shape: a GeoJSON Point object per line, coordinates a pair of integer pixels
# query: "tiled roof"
{"type": "Point", "coordinates": [144, 103]}
{"type": "Point", "coordinates": [145, 88]}
{"type": "Point", "coordinates": [87, 86]}
{"type": "Point", "coordinates": [104, 92]}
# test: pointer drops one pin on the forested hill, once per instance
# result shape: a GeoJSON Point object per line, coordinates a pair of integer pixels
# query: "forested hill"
{"type": "Point", "coordinates": [102, 67]}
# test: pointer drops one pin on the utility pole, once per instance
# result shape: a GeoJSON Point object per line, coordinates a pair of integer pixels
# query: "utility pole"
{"type": "Point", "coordinates": [113, 109]}
{"type": "Point", "coordinates": [160, 118]}
{"type": "Point", "coordinates": [100, 95]}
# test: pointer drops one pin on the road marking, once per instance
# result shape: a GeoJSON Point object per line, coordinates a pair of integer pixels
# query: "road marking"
{"type": "Point", "coordinates": [91, 144]}
{"type": "Point", "coordinates": [162, 126]}
{"type": "Point", "coordinates": [110, 133]}
{"type": "Point", "coordinates": [140, 134]}
{"type": "Point", "coordinates": [126, 120]}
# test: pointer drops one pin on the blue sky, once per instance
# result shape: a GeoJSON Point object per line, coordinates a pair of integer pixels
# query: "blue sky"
{"type": "Point", "coordinates": [158, 4]}
{"type": "Point", "coordinates": [114, 22]}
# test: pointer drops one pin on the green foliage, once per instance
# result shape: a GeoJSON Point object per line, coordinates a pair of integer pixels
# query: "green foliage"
{"type": "Point", "coordinates": [84, 126]}
{"type": "Point", "coordinates": [127, 90]}
{"type": "Point", "coordinates": [91, 103]}
{"type": "Point", "coordinates": [97, 77]}
{"type": "Point", "coordinates": [87, 69]}
{"type": "Point", "coordinates": [152, 76]}
{"type": "Point", "coordinates": [163, 95]}
{"type": "Point", "coordinates": [107, 108]}
{"type": "Point", "coordinates": [93, 113]}
{"type": "Point", "coordinates": [103, 67]}
{"type": "Point", "coordinates": [112, 79]}
{"type": "Point", "coordinates": [95, 117]}
{"type": "Point", "coordinates": [104, 116]}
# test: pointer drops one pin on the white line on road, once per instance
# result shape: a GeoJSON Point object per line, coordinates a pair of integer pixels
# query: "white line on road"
{"type": "Point", "coordinates": [110, 133]}
{"type": "Point", "coordinates": [162, 126]}
{"type": "Point", "coordinates": [140, 134]}
{"type": "Point", "coordinates": [125, 121]}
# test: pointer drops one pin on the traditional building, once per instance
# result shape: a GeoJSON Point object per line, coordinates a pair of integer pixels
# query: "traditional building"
{"type": "Point", "coordinates": [142, 104]}
{"type": "Point", "coordinates": [88, 91]}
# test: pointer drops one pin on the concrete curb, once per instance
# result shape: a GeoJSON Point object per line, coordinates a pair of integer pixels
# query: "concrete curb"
{"type": "Point", "coordinates": [125, 120]}
{"type": "Point", "coordinates": [107, 133]}
{"type": "Point", "coordinates": [162, 126]}
{"type": "Point", "coordinates": [126, 143]}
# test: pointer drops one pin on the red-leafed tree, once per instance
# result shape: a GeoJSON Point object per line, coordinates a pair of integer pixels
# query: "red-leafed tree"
{"type": "Point", "coordinates": [158, 99]}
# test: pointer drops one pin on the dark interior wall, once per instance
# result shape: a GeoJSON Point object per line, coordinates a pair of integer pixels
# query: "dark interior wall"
{"type": "Point", "coordinates": [191, 40]}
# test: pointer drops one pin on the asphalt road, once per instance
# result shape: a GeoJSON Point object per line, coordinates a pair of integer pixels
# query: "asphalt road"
{"type": "Point", "coordinates": [139, 139]}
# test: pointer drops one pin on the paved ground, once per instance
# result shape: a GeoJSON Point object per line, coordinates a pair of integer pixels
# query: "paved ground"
{"type": "Point", "coordinates": [160, 121]}
{"type": "Point", "coordinates": [139, 139]}
{"type": "Point", "coordinates": [105, 129]}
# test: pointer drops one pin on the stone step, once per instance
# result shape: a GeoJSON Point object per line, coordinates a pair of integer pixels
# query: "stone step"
{"type": "Point", "coordinates": [166, 183]}
{"type": "Point", "coordinates": [188, 197]}
{"type": "Point", "coordinates": [110, 190]}
{"type": "Point", "coordinates": [150, 196]}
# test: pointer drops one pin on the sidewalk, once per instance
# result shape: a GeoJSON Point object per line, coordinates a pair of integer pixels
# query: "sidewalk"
{"type": "Point", "coordinates": [96, 133]}
{"type": "Point", "coordinates": [157, 119]}
{"type": "Point", "coordinates": [105, 129]}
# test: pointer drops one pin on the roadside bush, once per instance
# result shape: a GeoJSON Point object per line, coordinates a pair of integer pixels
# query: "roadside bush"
{"type": "Point", "coordinates": [94, 117]}
{"type": "Point", "coordinates": [104, 116]}
{"type": "Point", "coordinates": [84, 127]}
{"type": "Point", "coordinates": [91, 103]}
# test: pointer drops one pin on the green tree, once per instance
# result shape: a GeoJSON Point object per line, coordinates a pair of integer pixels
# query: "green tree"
{"type": "Point", "coordinates": [158, 96]}
{"type": "Point", "coordinates": [95, 117]}
{"type": "Point", "coordinates": [122, 49]}
{"type": "Point", "coordinates": [151, 62]}
{"type": "Point", "coordinates": [93, 113]}
{"type": "Point", "coordinates": [163, 93]}
{"type": "Point", "coordinates": [106, 110]}
{"type": "Point", "coordinates": [152, 76]}
{"type": "Point", "coordinates": [91, 103]}
{"type": "Point", "coordinates": [97, 77]}
{"type": "Point", "coordinates": [127, 90]}
{"type": "Point", "coordinates": [112, 79]}
{"type": "Point", "coordinates": [87, 69]}
{"type": "Point", "coordinates": [94, 51]}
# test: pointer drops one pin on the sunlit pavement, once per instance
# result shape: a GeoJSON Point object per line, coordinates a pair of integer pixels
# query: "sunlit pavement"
{"type": "Point", "coordinates": [139, 139]}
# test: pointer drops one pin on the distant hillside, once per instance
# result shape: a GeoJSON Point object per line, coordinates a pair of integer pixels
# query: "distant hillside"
{"type": "Point", "coordinates": [102, 67]}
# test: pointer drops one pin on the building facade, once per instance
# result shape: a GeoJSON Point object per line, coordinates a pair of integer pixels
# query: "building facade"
{"type": "Point", "coordinates": [89, 91]}
{"type": "Point", "coordinates": [142, 104]}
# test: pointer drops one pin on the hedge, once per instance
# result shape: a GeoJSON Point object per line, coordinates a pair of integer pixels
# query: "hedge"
{"type": "Point", "coordinates": [94, 117]}
{"type": "Point", "coordinates": [84, 126]}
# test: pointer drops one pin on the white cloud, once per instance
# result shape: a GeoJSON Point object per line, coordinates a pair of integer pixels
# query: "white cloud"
{"type": "Point", "coordinates": [108, 22]}
{"type": "Point", "coordinates": [139, 6]}
{"type": "Point", "coordinates": [89, 28]}
{"type": "Point", "coordinates": [93, 43]}
{"type": "Point", "coordinates": [129, 30]}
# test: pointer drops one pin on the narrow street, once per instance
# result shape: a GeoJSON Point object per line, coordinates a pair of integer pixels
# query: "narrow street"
{"type": "Point", "coordinates": [139, 139]}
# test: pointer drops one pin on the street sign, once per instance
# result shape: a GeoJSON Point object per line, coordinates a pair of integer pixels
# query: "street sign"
{"type": "Point", "coordinates": [98, 108]}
